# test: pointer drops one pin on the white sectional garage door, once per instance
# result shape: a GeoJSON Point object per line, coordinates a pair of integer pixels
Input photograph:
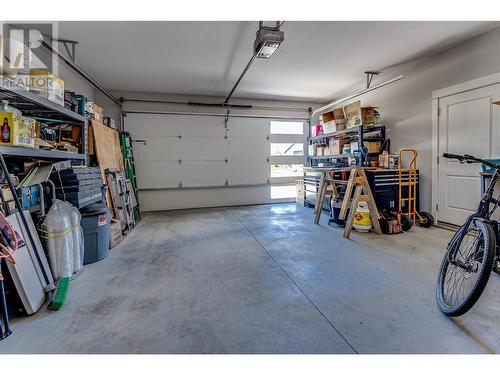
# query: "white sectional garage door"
{"type": "Point", "coordinates": [186, 161]}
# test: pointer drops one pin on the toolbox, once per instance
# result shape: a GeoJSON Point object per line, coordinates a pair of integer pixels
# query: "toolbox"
{"type": "Point", "coordinates": [29, 196]}
{"type": "Point", "coordinates": [384, 184]}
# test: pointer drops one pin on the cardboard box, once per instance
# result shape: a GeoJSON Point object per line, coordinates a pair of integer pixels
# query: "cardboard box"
{"type": "Point", "coordinates": [98, 112]}
{"type": "Point", "coordinates": [357, 115]}
{"type": "Point", "coordinates": [25, 134]}
{"type": "Point", "coordinates": [333, 126]}
{"type": "Point", "coordinates": [372, 146]}
{"type": "Point", "coordinates": [48, 85]}
{"type": "Point", "coordinates": [334, 114]}
{"type": "Point", "coordinates": [115, 233]}
{"type": "Point", "coordinates": [336, 146]}
{"type": "Point", "coordinates": [9, 199]}
{"type": "Point", "coordinates": [16, 130]}
{"type": "Point", "coordinates": [333, 120]}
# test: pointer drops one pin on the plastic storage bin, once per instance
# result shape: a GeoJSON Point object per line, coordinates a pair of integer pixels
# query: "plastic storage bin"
{"type": "Point", "coordinates": [95, 224]}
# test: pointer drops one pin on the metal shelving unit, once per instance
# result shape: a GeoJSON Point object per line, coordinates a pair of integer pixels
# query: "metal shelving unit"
{"type": "Point", "coordinates": [42, 154]}
{"type": "Point", "coordinates": [327, 157]}
{"type": "Point", "coordinates": [34, 105]}
{"type": "Point", "coordinates": [312, 178]}
{"type": "Point", "coordinates": [356, 132]}
{"type": "Point", "coordinates": [31, 104]}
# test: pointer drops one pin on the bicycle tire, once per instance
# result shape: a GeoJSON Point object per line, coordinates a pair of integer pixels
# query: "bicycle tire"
{"type": "Point", "coordinates": [483, 276]}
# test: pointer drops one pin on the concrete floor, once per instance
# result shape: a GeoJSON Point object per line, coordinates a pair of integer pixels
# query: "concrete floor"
{"type": "Point", "coordinates": [260, 279]}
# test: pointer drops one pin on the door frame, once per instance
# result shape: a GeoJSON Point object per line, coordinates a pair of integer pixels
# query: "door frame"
{"type": "Point", "coordinates": [473, 84]}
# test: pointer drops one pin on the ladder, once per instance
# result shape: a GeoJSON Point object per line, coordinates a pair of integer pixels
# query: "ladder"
{"type": "Point", "coordinates": [129, 166]}
{"type": "Point", "coordinates": [122, 200]}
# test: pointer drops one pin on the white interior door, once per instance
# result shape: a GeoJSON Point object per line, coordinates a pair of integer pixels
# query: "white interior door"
{"type": "Point", "coordinates": [468, 124]}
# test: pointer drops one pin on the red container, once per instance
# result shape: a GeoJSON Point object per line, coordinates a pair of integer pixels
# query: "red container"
{"type": "Point", "coordinates": [315, 130]}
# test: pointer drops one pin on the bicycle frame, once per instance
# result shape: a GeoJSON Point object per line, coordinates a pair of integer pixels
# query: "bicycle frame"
{"type": "Point", "coordinates": [483, 212]}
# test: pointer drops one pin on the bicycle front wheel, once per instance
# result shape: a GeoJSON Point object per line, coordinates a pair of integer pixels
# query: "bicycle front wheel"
{"type": "Point", "coordinates": [466, 268]}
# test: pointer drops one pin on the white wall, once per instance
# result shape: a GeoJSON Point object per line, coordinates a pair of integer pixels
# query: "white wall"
{"type": "Point", "coordinates": [406, 104]}
{"type": "Point", "coordinates": [74, 82]}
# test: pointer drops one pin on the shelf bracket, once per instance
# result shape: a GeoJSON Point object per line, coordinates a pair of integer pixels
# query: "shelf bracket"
{"type": "Point", "coordinates": [369, 77]}
{"type": "Point", "coordinates": [69, 46]}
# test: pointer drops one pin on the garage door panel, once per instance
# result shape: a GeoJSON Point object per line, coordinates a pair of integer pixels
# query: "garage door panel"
{"type": "Point", "coordinates": [158, 148]}
{"type": "Point", "coordinates": [203, 173]}
{"type": "Point", "coordinates": [248, 127]}
{"type": "Point", "coordinates": [248, 171]}
{"type": "Point", "coordinates": [248, 148]}
{"type": "Point", "coordinates": [141, 125]}
{"type": "Point", "coordinates": [203, 148]}
{"type": "Point", "coordinates": [157, 174]}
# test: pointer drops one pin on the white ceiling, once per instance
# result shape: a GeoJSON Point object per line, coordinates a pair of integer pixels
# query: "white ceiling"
{"type": "Point", "coordinates": [317, 61]}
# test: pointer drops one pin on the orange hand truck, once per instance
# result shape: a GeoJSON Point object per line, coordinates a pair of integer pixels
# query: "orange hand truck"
{"type": "Point", "coordinates": [423, 218]}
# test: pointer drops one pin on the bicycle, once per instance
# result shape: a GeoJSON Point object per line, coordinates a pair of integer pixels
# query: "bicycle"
{"type": "Point", "coordinates": [472, 253]}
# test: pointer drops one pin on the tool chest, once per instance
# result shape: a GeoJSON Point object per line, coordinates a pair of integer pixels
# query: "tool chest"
{"type": "Point", "coordinates": [385, 188]}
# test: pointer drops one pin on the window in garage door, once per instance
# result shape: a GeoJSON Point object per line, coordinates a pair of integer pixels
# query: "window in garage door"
{"type": "Point", "coordinates": [287, 157]}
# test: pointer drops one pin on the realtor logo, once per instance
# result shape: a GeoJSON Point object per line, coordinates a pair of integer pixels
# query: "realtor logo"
{"type": "Point", "coordinates": [22, 47]}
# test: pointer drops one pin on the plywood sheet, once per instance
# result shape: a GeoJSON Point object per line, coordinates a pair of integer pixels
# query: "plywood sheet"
{"type": "Point", "coordinates": [108, 151]}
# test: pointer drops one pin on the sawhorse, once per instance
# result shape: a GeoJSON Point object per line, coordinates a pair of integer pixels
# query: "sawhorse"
{"type": "Point", "coordinates": [358, 184]}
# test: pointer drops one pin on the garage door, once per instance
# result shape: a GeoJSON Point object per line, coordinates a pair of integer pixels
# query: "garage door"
{"type": "Point", "coordinates": [188, 161]}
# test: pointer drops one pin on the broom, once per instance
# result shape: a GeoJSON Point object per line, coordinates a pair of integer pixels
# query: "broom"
{"type": "Point", "coordinates": [57, 302]}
